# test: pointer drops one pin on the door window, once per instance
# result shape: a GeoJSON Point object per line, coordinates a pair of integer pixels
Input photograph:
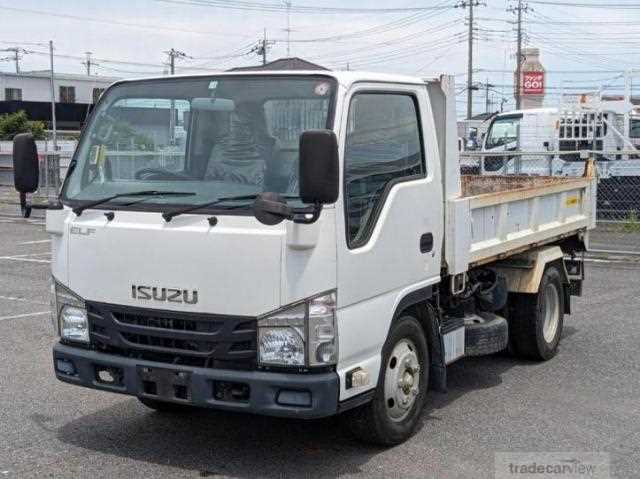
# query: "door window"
{"type": "Point", "coordinates": [383, 147]}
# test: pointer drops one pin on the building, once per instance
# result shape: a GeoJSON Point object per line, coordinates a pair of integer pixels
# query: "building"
{"type": "Point", "coordinates": [31, 91]}
{"type": "Point", "coordinates": [293, 63]}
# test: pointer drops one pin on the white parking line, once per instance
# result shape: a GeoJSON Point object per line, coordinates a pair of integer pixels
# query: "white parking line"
{"type": "Point", "coordinates": [24, 315]}
{"type": "Point", "coordinates": [27, 257]}
{"type": "Point", "coordinates": [36, 242]}
{"type": "Point", "coordinates": [22, 300]}
{"type": "Point", "coordinates": [27, 260]}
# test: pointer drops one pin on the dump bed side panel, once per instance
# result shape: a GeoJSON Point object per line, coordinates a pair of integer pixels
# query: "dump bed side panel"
{"type": "Point", "coordinates": [506, 222]}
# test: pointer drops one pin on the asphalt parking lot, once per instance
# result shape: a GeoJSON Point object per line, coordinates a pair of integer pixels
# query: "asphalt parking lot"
{"type": "Point", "coordinates": [585, 399]}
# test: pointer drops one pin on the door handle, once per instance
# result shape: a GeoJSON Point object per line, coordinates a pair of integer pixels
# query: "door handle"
{"type": "Point", "coordinates": [426, 243]}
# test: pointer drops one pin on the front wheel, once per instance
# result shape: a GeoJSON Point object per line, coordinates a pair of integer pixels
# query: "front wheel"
{"type": "Point", "coordinates": [394, 412]}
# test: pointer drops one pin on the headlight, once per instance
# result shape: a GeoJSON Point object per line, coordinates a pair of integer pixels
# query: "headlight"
{"type": "Point", "coordinates": [281, 337]}
{"type": "Point", "coordinates": [70, 320]}
{"type": "Point", "coordinates": [301, 335]}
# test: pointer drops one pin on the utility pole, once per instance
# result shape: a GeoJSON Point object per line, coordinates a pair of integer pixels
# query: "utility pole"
{"type": "Point", "coordinates": [487, 103]}
{"type": "Point", "coordinates": [173, 55]}
{"type": "Point", "coordinates": [16, 56]}
{"type": "Point", "coordinates": [88, 63]}
{"type": "Point", "coordinates": [519, 10]}
{"type": "Point", "coordinates": [262, 47]}
{"type": "Point", "coordinates": [16, 52]}
{"type": "Point", "coordinates": [288, 5]}
{"type": "Point", "coordinates": [470, 4]}
{"type": "Point", "coordinates": [53, 100]}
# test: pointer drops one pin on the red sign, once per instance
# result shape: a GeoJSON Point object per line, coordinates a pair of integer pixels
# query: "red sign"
{"type": "Point", "coordinates": [533, 83]}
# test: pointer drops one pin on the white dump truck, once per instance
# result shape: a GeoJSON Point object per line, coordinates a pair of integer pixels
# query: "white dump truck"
{"type": "Point", "coordinates": [298, 244]}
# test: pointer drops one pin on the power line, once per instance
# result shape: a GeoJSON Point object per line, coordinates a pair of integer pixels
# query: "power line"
{"type": "Point", "coordinates": [587, 5]}
{"type": "Point", "coordinates": [372, 48]}
{"type": "Point", "coordinates": [279, 7]}
{"type": "Point", "coordinates": [374, 57]}
{"type": "Point", "coordinates": [376, 30]}
{"type": "Point", "coordinates": [153, 27]}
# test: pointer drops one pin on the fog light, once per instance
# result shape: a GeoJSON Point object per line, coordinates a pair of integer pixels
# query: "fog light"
{"type": "Point", "coordinates": [65, 367]}
{"type": "Point", "coordinates": [106, 376]}
{"type": "Point", "coordinates": [109, 375]}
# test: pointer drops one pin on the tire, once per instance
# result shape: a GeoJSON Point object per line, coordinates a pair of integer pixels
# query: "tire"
{"type": "Point", "coordinates": [536, 320]}
{"type": "Point", "coordinates": [385, 420]}
{"type": "Point", "coordinates": [488, 337]}
{"type": "Point", "coordinates": [166, 406]}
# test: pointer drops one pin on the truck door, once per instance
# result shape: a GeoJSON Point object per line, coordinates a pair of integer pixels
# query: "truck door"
{"type": "Point", "coordinates": [390, 237]}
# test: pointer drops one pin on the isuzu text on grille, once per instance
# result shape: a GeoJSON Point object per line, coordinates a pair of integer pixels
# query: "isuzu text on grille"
{"type": "Point", "coordinates": [171, 295]}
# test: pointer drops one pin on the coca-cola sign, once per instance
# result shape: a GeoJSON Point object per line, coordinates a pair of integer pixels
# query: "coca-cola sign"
{"type": "Point", "coordinates": [532, 83]}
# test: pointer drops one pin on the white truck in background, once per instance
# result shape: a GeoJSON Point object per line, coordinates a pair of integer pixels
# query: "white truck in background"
{"type": "Point", "coordinates": [549, 141]}
{"type": "Point", "coordinates": [309, 249]}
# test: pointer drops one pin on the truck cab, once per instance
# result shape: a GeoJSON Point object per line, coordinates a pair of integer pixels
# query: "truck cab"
{"type": "Point", "coordinates": [295, 244]}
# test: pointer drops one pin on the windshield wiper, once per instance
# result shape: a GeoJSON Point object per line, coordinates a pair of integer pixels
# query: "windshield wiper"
{"type": "Point", "coordinates": [169, 215]}
{"type": "Point", "coordinates": [79, 209]}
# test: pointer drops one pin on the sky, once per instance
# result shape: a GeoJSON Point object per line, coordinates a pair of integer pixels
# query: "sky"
{"type": "Point", "coordinates": [584, 43]}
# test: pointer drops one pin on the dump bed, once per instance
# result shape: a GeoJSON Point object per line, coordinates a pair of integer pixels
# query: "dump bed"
{"type": "Point", "coordinates": [497, 216]}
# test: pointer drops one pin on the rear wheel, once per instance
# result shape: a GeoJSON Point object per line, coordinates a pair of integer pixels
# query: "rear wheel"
{"type": "Point", "coordinates": [393, 414]}
{"type": "Point", "coordinates": [536, 320]}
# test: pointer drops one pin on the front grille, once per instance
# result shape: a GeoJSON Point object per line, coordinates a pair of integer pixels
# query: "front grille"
{"type": "Point", "coordinates": [171, 337]}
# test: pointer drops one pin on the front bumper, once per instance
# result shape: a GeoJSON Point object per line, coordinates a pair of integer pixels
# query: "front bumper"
{"type": "Point", "coordinates": [269, 393]}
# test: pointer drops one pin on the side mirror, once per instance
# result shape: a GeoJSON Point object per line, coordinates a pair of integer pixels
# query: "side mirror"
{"type": "Point", "coordinates": [319, 167]}
{"type": "Point", "coordinates": [26, 170]}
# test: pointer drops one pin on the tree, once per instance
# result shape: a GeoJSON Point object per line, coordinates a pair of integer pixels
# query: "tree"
{"type": "Point", "coordinates": [12, 124]}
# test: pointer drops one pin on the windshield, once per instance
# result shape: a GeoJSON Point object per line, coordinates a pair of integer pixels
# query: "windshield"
{"type": "Point", "coordinates": [503, 131]}
{"type": "Point", "coordinates": [213, 137]}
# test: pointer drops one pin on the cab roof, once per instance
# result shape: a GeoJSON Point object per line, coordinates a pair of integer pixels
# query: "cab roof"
{"type": "Point", "coordinates": [345, 78]}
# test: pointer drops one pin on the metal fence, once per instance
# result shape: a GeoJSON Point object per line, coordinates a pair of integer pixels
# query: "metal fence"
{"type": "Point", "coordinates": [618, 201]}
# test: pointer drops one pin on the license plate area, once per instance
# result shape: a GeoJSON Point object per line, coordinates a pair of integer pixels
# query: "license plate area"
{"type": "Point", "coordinates": [167, 384]}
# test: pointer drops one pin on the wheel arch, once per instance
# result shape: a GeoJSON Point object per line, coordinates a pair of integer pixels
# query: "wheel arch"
{"type": "Point", "coordinates": [423, 305]}
{"type": "Point", "coordinates": [524, 271]}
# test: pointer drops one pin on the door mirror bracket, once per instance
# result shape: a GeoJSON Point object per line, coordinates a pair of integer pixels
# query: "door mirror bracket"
{"type": "Point", "coordinates": [272, 208]}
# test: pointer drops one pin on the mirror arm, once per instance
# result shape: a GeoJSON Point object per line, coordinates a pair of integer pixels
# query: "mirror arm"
{"type": "Point", "coordinates": [26, 206]}
{"type": "Point", "coordinates": [300, 214]}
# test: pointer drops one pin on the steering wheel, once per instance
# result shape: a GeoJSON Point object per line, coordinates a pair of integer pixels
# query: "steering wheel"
{"type": "Point", "coordinates": [159, 174]}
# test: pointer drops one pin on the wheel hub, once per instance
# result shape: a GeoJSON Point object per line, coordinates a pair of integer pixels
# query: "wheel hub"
{"type": "Point", "coordinates": [402, 380]}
